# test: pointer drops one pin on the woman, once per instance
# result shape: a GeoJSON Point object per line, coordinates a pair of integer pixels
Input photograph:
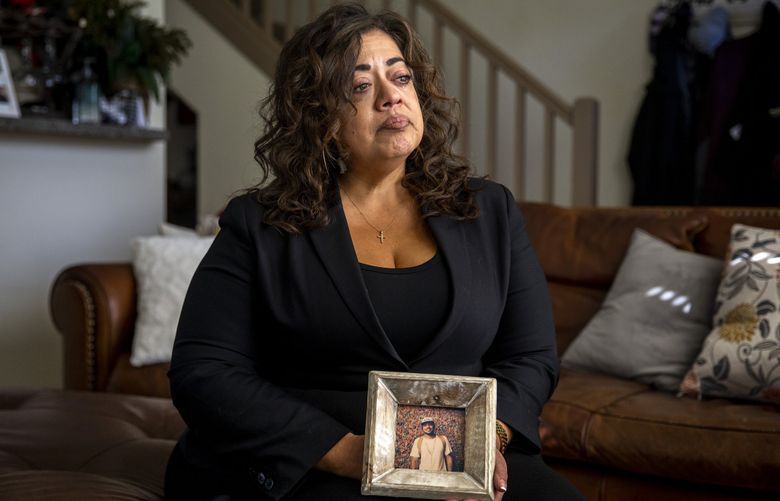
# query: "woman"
{"type": "Point", "coordinates": [370, 249]}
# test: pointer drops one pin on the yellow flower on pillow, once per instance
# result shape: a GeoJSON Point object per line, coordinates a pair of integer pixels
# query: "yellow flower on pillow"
{"type": "Point", "coordinates": [740, 323]}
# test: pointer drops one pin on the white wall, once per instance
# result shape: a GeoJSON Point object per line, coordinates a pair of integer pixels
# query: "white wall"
{"type": "Point", "coordinates": [64, 201]}
{"type": "Point", "coordinates": [224, 89]}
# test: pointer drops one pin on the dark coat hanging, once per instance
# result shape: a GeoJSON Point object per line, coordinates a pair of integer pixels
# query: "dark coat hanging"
{"type": "Point", "coordinates": [662, 142]}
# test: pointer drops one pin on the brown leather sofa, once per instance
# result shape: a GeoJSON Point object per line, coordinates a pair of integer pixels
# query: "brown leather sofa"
{"type": "Point", "coordinates": [618, 439]}
{"type": "Point", "coordinates": [614, 439]}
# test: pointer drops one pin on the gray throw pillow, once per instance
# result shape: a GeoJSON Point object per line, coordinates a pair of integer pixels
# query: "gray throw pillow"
{"type": "Point", "coordinates": [654, 318]}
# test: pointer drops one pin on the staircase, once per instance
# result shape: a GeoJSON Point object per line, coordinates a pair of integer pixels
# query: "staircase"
{"type": "Point", "coordinates": [496, 124]}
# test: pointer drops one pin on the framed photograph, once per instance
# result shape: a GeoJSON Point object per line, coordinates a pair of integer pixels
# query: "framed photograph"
{"type": "Point", "coordinates": [9, 107]}
{"type": "Point", "coordinates": [429, 436]}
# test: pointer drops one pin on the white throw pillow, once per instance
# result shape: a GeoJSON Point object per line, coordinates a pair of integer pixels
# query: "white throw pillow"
{"type": "Point", "coordinates": [174, 230]}
{"type": "Point", "coordinates": [163, 269]}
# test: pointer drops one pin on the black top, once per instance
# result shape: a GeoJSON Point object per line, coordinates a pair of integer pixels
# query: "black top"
{"type": "Point", "coordinates": [411, 303]}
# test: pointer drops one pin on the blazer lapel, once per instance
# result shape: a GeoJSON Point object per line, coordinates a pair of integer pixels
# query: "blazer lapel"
{"type": "Point", "coordinates": [451, 238]}
{"type": "Point", "coordinates": [334, 247]}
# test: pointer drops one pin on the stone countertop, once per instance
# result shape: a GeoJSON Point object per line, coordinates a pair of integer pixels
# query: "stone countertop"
{"type": "Point", "coordinates": [63, 128]}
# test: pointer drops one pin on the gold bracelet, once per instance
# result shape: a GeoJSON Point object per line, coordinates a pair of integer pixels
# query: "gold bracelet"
{"type": "Point", "coordinates": [503, 438]}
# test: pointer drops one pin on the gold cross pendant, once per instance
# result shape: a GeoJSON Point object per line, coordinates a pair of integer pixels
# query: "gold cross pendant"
{"type": "Point", "coordinates": [381, 237]}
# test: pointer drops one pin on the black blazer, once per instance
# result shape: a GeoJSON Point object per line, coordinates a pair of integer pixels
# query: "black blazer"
{"type": "Point", "coordinates": [277, 335]}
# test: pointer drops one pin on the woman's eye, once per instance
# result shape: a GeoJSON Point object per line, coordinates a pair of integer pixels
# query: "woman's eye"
{"type": "Point", "coordinates": [360, 88]}
{"type": "Point", "coordinates": [405, 79]}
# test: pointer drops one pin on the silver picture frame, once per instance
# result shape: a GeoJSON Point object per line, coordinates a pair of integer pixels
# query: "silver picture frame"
{"type": "Point", "coordinates": [9, 106]}
{"type": "Point", "coordinates": [389, 390]}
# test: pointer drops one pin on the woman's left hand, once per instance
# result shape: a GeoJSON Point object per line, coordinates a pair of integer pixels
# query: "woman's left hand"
{"type": "Point", "coordinates": [500, 479]}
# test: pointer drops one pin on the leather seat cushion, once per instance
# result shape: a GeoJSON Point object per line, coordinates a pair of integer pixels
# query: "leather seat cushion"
{"type": "Point", "coordinates": [79, 445]}
{"type": "Point", "coordinates": [632, 427]}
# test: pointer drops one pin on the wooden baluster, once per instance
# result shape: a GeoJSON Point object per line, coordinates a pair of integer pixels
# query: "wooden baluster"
{"type": "Point", "coordinates": [257, 11]}
{"type": "Point", "coordinates": [549, 155]}
{"type": "Point", "coordinates": [288, 22]}
{"type": "Point", "coordinates": [438, 43]}
{"type": "Point", "coordinates": [585, 152]}
{"type": "Point", "coordinates": [412, 13]}
{"type": "Point", "coordinates": [268, 14]}
{"type": "Point", "coordinates": [465, 73]}
{"type": "Point", "coordinates": [313, 9]}
{"type": "Point", "coordinates": [492, 121]}
{"type": "Point", "coordinates": [583, 118]}
{"type": "Point", "coordinates": [520, 142]}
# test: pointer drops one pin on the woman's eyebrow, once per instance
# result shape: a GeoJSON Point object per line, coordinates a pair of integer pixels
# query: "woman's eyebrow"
{"type": "Point", "coordinates": [389, 62]}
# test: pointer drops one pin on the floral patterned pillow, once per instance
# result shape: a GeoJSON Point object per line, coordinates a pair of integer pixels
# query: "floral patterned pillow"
{"type": "Point", "coordinates": [741, 356]}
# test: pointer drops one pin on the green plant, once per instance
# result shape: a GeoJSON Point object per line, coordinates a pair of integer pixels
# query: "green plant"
{"type": "Point", "coordinates": [132, 52]}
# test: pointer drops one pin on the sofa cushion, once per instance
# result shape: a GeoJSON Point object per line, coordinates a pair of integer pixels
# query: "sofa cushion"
{"type": "Point", "coordinates": [714, 239]}
{"type": "Point", "coordinates": [55, 485]}
{"type": "Point", "coordinates": [81, 445]}
{"type": "Point", "coordinates": [163, 268]}
{"type": "Point", "coordinates": [629, 426]}
{"type": "Point", "coordinates": [602, 483]}
{"type": "Point", "coordinates": [580, 250]}
{"type": "Point", "coordinates": [585, 246]}
{"type": "Point", "coordinates": [573, 306]}
{"type": "Point", "coordinates": [741, 356]}
{"type": "Point", "coordinates": [174, 230]}
{"type": "Point", "coordinates": [654, 318]}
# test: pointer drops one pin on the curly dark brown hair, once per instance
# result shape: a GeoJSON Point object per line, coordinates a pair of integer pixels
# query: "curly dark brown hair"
{"type": "Point", "coordinates": [313, 83]}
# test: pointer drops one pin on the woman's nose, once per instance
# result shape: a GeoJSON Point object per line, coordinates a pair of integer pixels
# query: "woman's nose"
{"type": "Point", "coordinates": [389, 95]}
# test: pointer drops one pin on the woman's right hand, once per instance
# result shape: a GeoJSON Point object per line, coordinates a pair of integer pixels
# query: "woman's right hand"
{"type": "Point", "coordinates": [499, 479]}
{"type": "Point", "coordinates": [345, 459]}
{"type": "Point", "coordinates": [500, 473]}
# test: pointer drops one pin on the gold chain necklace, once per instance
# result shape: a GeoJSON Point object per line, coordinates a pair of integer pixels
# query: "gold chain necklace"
{"type": "Point", "coordinates": [380, 232]}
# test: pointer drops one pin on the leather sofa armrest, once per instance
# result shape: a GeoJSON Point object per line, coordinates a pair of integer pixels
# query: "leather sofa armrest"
{"type": "Point", "coordinates": [94, 308]}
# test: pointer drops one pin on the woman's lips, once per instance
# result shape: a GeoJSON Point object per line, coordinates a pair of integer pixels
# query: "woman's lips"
{"type": "Point", "coordinates": [396, 122]}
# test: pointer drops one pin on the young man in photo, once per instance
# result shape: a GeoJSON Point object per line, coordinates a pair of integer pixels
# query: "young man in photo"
{"type": "Point", "coordinates": [431, 452]}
